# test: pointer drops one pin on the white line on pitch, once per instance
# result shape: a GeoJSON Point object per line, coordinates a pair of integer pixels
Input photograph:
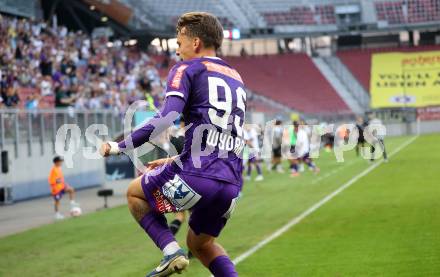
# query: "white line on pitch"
{"type": "Point", "coordinates": [336, 170]}
{"type": "Point", "coordinates": [316, 206]}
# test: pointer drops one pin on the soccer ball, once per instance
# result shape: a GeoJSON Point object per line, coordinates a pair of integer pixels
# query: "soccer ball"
{"type": "Point", "coordinates": [75, 211]}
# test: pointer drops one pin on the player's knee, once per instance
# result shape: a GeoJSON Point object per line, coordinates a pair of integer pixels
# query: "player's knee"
{"type": "Point", "coordinates": [135, 190]}
{"type": "Point", "coordinates": [197, 246]}
{"type": "Point", "coordinates": [130, 192]}
{"type": "Point", "coordinates": [132, 188]}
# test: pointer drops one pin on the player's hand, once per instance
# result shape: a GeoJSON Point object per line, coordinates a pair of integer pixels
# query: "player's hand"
{"type": "Point", "coordinates": [109, 148]}
{"type": "Point", "coordinates": [156, 163]}
{"type": "Point", "coordinates": [104, 150]}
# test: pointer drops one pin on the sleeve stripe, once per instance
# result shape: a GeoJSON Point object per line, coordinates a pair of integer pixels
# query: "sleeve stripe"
{"type": "Point", "coordinates": [174, 93]}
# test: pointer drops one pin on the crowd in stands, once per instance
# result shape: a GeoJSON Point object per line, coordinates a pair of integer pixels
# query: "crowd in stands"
{"type": "Point", "coordinates": [43, 66]}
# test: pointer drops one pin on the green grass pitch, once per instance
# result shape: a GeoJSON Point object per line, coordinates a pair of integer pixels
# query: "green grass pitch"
{"type": "Point", "coordinates": [385, 224]}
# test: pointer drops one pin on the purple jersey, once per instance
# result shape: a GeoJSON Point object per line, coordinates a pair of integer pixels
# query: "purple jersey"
{"type": "Point", "coordinates": [214, 96]}
{"type": "Point", "coordinates": [211, 97]}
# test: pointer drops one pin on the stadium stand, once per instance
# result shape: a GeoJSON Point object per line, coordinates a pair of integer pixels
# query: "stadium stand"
{"type": "Point", "coordinates": [294, 81]}
{"type": "Point", "coordinates": [46, 67]}
{"type": "Point", "coordinates": [359, 61]}
{"type": "Point", "coordinates": [392, 12]}
{"type": "Point", "coordinates": [170, 10]}
{"type": "Point", "coordinates": [412, 11]}
{"type": "Point", "coordinates": [19, 7]}
{"type": "Point", "coordinates": [275, 13]}
{"type": "Point", "coordinates": [102, 78]}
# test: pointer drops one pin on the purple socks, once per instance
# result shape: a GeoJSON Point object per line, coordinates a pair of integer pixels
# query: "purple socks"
{"type": "Point", "coordinates": [294, 167]}
{"type": "Point", "coordinates": [155, 225]}
{"type": "Point", "coordinates": [222, 267]}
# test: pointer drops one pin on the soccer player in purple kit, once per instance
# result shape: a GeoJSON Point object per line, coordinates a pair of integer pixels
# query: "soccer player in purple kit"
{"type": "Point", "coordinates": [205, 178]}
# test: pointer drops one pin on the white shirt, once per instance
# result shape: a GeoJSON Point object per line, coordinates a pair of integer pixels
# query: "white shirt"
{"type": "Point", "coordinates": [252, 136]}
{"type": "Point", "coordinates": [302, 143]}
{"type": "Point", "coordinates": [46, 88]}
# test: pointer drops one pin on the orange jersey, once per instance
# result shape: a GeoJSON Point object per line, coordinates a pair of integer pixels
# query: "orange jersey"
{"type": "Point", "coordinates": [56, 180]}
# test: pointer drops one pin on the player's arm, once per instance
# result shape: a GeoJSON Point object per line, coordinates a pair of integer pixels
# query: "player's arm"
{"type": "Point", "coordinates": [53, 178]}
{"type": "Point", "coordinates": [169, 112]}
{"type": "Point", "coordinates": [177, 91]}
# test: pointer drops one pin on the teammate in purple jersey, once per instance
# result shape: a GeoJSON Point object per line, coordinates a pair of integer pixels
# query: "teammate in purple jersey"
{"type": "Point", "coordinates": [206, 177]}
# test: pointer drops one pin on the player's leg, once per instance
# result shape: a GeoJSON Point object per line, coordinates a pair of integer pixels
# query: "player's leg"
{"type": "Point", "coordinates": [154, 223]}
{"type": "Point", "coordinates": [249, 169]}
{"type": "Point", "coordinates": [384, 153]}
{"type": "Point", "coordinates": [301, 165]}
{"type": "Point", "coordinates": [276, 165]}
{"type": "Point", "coordinates": [179, 218]}
{"type": "Point", "coordinates": [294, 168]}
{"type": "Point", "coordinates": [56, 199]}
{"type": "Point", "coordinates": [71, 191]}
{"type": "Point", "coordinates": [372, 149]}
{"type": "Point", "coordinates": [207, 221]}
{"type": "Point", "coordinates": [307, 160]}
{"type": "Point", "coordinates": [362, 148]}
{"type": "Point", "coordinates": [259, 171]}
{"type": "Point", "coordinates": [57, 205]}
{"type": "Point", "coordinates": [274, 158]}
{"type": "Point", "coordinates": [211, 254]}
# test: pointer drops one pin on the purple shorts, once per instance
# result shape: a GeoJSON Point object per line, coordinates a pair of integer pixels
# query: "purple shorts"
{"type": "Point", "coordinates": [211, 201]}
{"type": "Point", "coordinates": [59, 195]}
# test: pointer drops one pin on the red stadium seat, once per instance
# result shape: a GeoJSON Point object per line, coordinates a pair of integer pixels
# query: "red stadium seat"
{"type": "Point", "coordinates": [290, 79]}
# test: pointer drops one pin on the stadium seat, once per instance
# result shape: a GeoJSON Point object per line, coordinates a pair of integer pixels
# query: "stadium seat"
{"type": "Point", "coordinates": [290, 79]}
{"type": "Point", "coordinates": [412, 11]}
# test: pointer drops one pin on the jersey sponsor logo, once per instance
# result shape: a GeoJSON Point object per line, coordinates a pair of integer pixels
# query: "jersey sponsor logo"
{"type": "Point", "coordinates": [162, 203]}
{"type": "Point", "coordinates": [182, 196]}
{"type": "Point", "coordinates": [175, 82]}
{"type": "Point", "coordinates": [210, 66]}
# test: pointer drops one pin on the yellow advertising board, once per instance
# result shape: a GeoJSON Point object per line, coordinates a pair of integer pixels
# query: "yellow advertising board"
{"type": "Point", "coordinates": [405, 79]}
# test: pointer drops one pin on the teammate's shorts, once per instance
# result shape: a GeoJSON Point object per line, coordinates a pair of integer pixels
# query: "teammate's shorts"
{"type": "Point", "coordinates": [305, 157]}
{"type": "Point", "coordinates": [59, 195]}
{"type": "Point", "coordinates": [211, 201]}
{"type": "Point", "coordinates": [276, 152]}
{"type": "Point", "coordinates": [254, 157]}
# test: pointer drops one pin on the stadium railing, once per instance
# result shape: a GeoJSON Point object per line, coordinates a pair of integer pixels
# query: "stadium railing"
{"type": "Point", "coordinates": [33, 127]}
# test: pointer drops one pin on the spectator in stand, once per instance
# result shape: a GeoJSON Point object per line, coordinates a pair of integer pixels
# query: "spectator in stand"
{"type": "Point", "coordinates": [63, 97]}
{"type": "Point", "coordinates": [73, 66]}
{"type": "Point", "coordinates": [32, 101]}
{"type": "Point", "coordinates": [46, 86]}
{"type": "Point", "coordinates": [11, 98]}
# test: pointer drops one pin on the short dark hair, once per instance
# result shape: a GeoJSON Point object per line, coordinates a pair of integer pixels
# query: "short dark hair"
{"type": "Point", "coordinates": [57, 159]}
{"type": "Point", "coordinates": [203, 25]}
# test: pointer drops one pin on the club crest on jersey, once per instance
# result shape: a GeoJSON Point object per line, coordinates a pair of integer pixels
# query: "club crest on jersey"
{"type": "Point", "coordinates": [182, 196]}
{"type": "Point", "coordinates": [175, 82]}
